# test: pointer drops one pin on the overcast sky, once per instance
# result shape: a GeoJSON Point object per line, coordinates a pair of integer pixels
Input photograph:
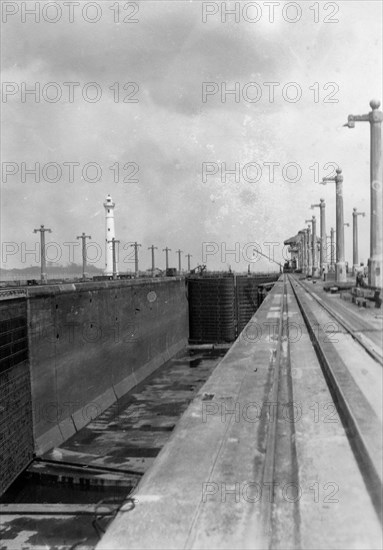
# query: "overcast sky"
{"type": "Point", "coordinates": [170, 132]}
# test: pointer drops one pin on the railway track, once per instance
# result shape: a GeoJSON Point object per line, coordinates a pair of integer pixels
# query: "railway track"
{"type": "Point", "coordinates": [280, 458]}
{"type": "Point", "coordinates": [355, 332]}
{"type": "Point", "coordinates": [360, 421]}
{"type": "Point", "coordinates": [281, 518]}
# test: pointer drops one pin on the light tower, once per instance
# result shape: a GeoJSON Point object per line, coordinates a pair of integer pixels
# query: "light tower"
{"type": "Point", "coordinates": [109, 236]}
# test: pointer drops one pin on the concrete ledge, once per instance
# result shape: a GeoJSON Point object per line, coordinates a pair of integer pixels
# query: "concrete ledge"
{"type": "Point", "coordinates": [216, 449]}
{"type": "Point", "coordinates": [48, 290]}
{"type": "Point", "coordinates": [51, 438]}
{"type": "Point", "coordinates": [136, 377]}
{"type": "Point", "coordinates": [94, 408]}
{"type": "Point", "coordinates": [80, 418]}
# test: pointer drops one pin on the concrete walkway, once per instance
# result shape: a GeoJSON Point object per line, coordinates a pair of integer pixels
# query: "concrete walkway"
{"type": "Point", "coordinates": [209, 487]}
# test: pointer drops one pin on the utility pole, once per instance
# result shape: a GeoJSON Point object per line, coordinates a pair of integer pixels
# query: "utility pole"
{"type": "Point", "coordinates": [355, 259]}
{"type": "Point", "coordinates": [135, 246]}
{"type": "Point", "coordinates": [322, 253]}
{"type": "Point", "coordinates": [375, 262]}
{"type": "Point", "coordinates": [114, 257]}
{"type": "Point", "coordinates": [179, 252]}
{"type": "Point", "coordinates": [340, 266]}
{"type": "Point", "coordinates": [83, 238]}
{"type": "Point", "coordinates": [311, 247]}
{"type": "Point", "coordinates": [166, 250]}
{"type": "Point", "coordinates": [42, 231]}
{"type": "Point", "coordinates": [153, 248]}
{"type": "Point", "coordinates": [188, 256]}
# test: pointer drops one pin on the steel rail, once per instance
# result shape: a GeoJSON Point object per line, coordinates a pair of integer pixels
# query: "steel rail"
{"type": "Point", "coordinates": [353, 332]}
{"type": "Point", "coordinates": [271, 442]}
{"type": "Point", "coordinates": [359, 420]}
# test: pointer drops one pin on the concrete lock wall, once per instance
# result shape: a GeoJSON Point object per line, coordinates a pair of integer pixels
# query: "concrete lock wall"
{"type": "Point", "coordinates": [16, 432]}
{"type": "Point", "coordinates": [90, 343]}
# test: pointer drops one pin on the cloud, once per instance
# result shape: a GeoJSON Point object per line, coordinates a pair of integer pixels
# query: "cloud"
{"type": "Point", "coordinates": [170, 133]}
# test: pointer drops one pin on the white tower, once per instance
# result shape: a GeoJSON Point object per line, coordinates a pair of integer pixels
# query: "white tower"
{"type": "Point", "coordinates": [109, 235]}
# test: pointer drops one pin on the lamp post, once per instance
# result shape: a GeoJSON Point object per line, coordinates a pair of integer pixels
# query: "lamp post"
{"type": "Point", "coordinates": [153, 248]}
{"type": "Point", "coordinates": [315, 270]}
{"type": "Point", "coordinates": [135, 246]}
{"type": "Point", "coordinates": [375, 262]}
{"type": "Point", "coordinates": [188, 256]}
{"type": "Point", "coordinates": [179, 252]}
{"type": "Point", "coordinates": [42, 230]}
{"type": "Point", "coordinates": [332, 248]}
{"type": "Point", "coordinates": [166, 250]}
{"type": "Point", "coordinates": [322, 253]}
{"type": "Point", "coordinates": [302, 255]}
{"type": "Point", "coordinates": [340, 265]}
{"type": "Point", "coordinates": [309, 265]}
{"type": "Point", "coordinates": [310, 244]}
{"type": "Point", "coordinates": [83, 238]}
{"type": "Point", "coordinates": [355, 259]}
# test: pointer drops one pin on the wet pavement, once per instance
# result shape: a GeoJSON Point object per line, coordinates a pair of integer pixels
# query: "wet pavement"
{"type": "Point", "coordinates": [102, 463]}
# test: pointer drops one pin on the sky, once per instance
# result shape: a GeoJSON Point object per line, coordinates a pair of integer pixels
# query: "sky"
{"type": "Point", "coordinates": [180, 141]}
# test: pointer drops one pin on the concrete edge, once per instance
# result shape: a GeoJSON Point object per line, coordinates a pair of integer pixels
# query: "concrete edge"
{"type": "Point", "coordinates": [66, 428]}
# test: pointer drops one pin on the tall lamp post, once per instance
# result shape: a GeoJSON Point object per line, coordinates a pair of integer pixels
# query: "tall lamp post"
{"type": "Point", "coordinates": [188, 256]}
{"type": "Point", "coordinates": [310, 246]}
{"type": "Point", "coordinates": [42, 230]}
{"type": "Point", "coordinates": [315, 271]}
{"type": "Point", "coordinates": [322, 253]}
{"type": "Point", "coordinates": [153, 248]}
{"type": "Point", "coordinates": [355, 258]}
{"type": "Point", "coordinates": [340, 265]}
{"type": "Point", "coordinates": [375, 262]}
{"type": "Point", "coordinates": [308, 250]}
{"type": "Point", "coordinates": [332, 249]}
{"type": "Point", "coordinates": [83, 238]}
{"type": "Point", "coordinates": [302, 248]}
{"type": "Point", "coordinates": [166, 250]}
{"type": "Point", "coordinates": [179, 252]}
{"type": "Point", "coordinates": [135, 245]}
